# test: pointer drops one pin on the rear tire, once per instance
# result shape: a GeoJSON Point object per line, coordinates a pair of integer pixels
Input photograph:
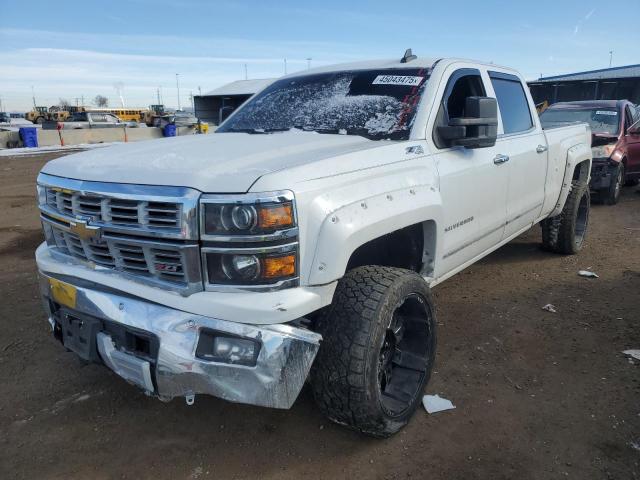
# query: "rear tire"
{"type": "Point", "coordinates": [377, 352]}
{"type": "Point", "coordinates": [565, 233]}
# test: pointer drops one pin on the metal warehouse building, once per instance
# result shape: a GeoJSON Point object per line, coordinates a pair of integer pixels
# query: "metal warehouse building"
{"type": "Point", "coordinates": [216, 105]}
{"type": "Point", "coordinates": [617, 83]}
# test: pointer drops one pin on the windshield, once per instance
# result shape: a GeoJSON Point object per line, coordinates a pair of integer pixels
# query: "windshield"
{"type": "Point", "coordinates": [377, 104]}
{"type": "Point", "coordinates": [601, 120]}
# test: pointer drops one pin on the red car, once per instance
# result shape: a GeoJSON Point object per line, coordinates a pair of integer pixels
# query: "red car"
{"type": "Point", "coordinates": [615, 125]}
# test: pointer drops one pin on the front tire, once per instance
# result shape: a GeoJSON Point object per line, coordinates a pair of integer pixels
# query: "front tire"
{"type": "Point", "coordinates": [565, 233]}
{"type": "Point", "coordinates": [378, 350]}
{"type": "Point", "coordinates": [611, 195]}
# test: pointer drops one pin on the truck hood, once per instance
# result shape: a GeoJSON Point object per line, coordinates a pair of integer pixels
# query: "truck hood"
{"type": "Point", "coordinates": [216, 163]}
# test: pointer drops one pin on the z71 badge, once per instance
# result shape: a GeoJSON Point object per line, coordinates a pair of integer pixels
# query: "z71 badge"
{"type": "Point", "coordinates": [166, 267]}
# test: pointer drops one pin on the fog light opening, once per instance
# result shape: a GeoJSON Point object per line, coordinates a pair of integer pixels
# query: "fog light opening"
{"type": "Point", "coordinates": [218, 347]}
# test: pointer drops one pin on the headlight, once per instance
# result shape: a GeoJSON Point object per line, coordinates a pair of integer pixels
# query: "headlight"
{"type": "Point", "coordinates": [249, 240]}
{"type": "Point", "coordinates": [603, 151]}
{"type": "Point", "coordinates": [254, 215]}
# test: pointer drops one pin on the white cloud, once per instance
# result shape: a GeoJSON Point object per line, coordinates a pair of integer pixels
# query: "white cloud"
{"type": "Point", "coordinates": [585, 19]}
{"type": "Point", "coordinates": [82, 64]}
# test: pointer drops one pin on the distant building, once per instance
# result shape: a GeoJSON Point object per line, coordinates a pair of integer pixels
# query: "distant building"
{"type": "Point", "coordinates": [617, 83]}
{"type": "Point", "coordinates": [216, 105]}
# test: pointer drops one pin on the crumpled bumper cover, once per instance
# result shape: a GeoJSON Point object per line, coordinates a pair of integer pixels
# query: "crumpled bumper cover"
{"type": "Point", "coordinates": [601, 175]}
{"type": "Point", "coordinates": [283, 363]}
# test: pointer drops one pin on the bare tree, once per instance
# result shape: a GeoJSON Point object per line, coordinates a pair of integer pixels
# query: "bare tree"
{"type": "Point", "coordinates": [101, 101]}
{"type": "Point", "coordinates": [63, 102]}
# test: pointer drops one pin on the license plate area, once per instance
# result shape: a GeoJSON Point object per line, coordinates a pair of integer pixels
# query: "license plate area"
{"type": "Point", "coordinates": [79, 334]}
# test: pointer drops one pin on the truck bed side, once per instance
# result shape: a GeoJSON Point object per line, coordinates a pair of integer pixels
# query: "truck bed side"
{"type": "Point", "coordinates": [568, 146]}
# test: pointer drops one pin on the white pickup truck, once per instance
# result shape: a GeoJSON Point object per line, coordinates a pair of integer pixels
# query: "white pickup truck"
{"type": "Point", "coordinates": [301, 240]}
{"type": "Point", "coordinates": [83, 120]}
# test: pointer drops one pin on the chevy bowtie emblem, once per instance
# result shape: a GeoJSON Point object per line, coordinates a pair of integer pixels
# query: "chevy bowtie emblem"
{"type": "Point", "coordinates": [84, 230]}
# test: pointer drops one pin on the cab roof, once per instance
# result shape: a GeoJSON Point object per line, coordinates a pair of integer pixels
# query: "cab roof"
{"type": "Point", "coordinates": [395, 63]}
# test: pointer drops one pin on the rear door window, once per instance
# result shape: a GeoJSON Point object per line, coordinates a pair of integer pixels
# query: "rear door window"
{"type": "Point", "coordinates": [512, 102]}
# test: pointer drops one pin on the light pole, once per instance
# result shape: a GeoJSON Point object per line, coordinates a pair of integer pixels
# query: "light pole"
{"type": "Point", "coordinates": [178, 88]}
{"type": "Point", "coordinates": [285, 66]}
{"type": "Point", "coordinates": [610, 58]}
{"type": "Point", "coordinates": [309, 63]}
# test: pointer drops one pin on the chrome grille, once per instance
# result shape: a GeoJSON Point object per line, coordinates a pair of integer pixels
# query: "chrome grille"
{"type": "Point", "coordinates": [144, 232]}
{"type": "Point", "coordinates": [161, 214]}
{"type": "Point", "coordinates": [147, 259]}
{"type": "Point", "coordinates": [118, 211]}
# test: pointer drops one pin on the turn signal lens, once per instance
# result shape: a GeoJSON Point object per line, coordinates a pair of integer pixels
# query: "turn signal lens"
{"type": "Point", "coordinates": [277, 267]}
{"type": "Point", "coordinates": [275, 216]}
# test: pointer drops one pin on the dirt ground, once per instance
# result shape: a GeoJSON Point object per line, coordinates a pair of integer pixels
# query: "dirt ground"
{"type": "Point", "coordinates": [539, 395]}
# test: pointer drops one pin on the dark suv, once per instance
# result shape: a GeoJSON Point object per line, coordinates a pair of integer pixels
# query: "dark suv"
{"type": "Point", "coordinates": [615, 125]}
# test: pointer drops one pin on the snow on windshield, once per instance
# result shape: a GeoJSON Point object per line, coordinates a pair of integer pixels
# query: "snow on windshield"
{"type": "Point", "coordinates": [370, 103]}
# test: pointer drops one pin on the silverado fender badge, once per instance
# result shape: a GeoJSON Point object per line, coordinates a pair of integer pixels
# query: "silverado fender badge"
{"type": "Point", "coordinates": [458, 224]}
{"type": "Point", "coordinates": [85, 231]}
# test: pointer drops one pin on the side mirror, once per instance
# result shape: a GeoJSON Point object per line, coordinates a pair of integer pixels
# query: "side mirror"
{"type": "Point", "coordinates": [477, 129]}
{"type": "Point", "coordinates": [634, 129]}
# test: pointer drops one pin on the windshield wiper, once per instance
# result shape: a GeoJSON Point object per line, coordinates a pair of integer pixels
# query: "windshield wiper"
{"type": "Point", "coordinates": [256, 131]}
{"type": "Point", "coordinates": [360, 132]}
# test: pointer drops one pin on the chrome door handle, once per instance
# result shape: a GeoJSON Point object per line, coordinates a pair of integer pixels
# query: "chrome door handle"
{"type": "Point", "coordinates": [541, 148]}
{"type": "Point", "coordinates": [498, 159]}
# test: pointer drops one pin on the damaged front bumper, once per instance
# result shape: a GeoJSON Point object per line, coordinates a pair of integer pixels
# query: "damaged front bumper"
{"type": "Point", "coordinates": [160, 349]}
{"type": "Point", "coordinates": [602, 174]}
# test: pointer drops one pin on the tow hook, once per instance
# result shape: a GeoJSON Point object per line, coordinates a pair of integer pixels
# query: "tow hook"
{"type": "Point", "coordinates": [190, 399]}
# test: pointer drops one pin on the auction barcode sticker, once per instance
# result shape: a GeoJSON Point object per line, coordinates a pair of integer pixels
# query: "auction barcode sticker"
{"type": "Point", "coordinates": [606, 112]}
{"type": "Point", "coordinates": [407, 80]}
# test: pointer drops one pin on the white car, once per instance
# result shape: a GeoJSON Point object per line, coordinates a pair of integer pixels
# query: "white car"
{"type": "Point", "coordinates": [303, 237]}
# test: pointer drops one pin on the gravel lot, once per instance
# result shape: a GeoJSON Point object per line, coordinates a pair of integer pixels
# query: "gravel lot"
{"type": "Point", "coordinates": [538, 394]}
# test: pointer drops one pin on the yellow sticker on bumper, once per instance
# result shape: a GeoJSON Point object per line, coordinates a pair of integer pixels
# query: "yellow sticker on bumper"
{"type": "Point", "coordinates": [63, 293]}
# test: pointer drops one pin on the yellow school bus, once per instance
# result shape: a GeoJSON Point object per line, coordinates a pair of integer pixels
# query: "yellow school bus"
{"type": "Point", "coordinates": [125, 114]}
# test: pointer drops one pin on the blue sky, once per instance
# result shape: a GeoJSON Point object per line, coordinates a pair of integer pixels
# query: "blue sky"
{"type": "Point", "coordinates": [70, 49]}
